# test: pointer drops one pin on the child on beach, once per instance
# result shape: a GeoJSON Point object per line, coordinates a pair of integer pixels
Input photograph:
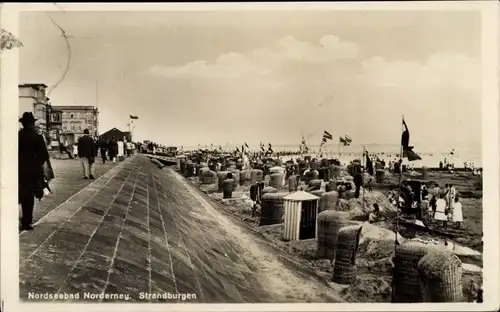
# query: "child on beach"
{"type": "Point", "coordinates": [440, 213]}
{"type": "Point", "coordinates": [457, 214]}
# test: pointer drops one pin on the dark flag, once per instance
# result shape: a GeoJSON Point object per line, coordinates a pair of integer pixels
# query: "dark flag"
{"type": "Point", "coordinates": [133, 117]}
{"type": "Point", "coordinates": [270, 149]}
{"type": "Point", "coordinates": [262, 147]}
{"type": "Point", "coordinates": [348, 139]}
{"type": "Point", "coordinates": [405, 137]}
{"type": "Point", "coordinates": [369, 164]}
{"type": "Point", "coordinates": [246, 145]}
{"type": "Point", "coordinates": [405, 142]}
{"type": "Point", "coordinates": [327, 135]}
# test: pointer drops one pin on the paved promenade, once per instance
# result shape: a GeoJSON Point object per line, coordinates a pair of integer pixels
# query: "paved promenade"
{"type": "Point", "coordinates": [69, 181]}
{"type": "Point", "coordinates": [138, 229]}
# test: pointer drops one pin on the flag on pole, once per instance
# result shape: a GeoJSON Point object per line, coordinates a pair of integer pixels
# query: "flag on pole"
{"type": "Point", "coordinates": [262, 149]}
{"type": "Point", "coordinates": [327, 135]}
{"type": "Point", "coordinates": [133, 117]}
{"type": "Point", "coordinates": [303, 146]}
{"type": "Point", "coordinates": [348, 139]}
{"type": "Point", "coordinates": [369, 164]}
{"type": "Point", "coordinates": [270, 149]}
{"type": "Point", "coordinates": [405, 142]}
{"type": "Point", "coordinates": [345, 140]}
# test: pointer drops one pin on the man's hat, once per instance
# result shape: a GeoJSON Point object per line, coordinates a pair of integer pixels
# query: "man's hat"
{"type": "Point", "coordinates": [27, 118]}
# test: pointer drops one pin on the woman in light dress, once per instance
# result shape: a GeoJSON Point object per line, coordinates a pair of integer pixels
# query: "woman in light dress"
{"type": "Point", "coordinates": [458, 217]}
{"type": "Point", "coordinates": [440, 214]}
{"type": "Point", "coordinates": [121, 149]}
{"type": "Point", "coordinates": [75, 150]}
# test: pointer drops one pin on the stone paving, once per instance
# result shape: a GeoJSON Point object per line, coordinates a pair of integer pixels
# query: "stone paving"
{"type": "Point", "coordinates": [69, 180]}
{"type": "Point", "coordinates": [139, 229]}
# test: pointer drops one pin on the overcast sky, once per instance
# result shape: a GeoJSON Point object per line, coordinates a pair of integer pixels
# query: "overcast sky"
{"type": "Point", "coordinates": [217, 77]}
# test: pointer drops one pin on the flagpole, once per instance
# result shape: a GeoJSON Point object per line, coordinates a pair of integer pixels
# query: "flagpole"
{"type": "Point", "coordinates": [362, 162]}
{"type": "Point", "coordinates": [399, 184]}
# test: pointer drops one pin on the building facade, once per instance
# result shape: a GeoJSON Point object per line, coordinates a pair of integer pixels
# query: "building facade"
{"type": "Point", "coordinates": [69, 122]}
{"type": "Point", "coordinates": [32, 98]}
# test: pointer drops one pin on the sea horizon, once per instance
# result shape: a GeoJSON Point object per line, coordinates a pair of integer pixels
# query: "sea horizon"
{"type": "Point", "coordinates": [375, 148]}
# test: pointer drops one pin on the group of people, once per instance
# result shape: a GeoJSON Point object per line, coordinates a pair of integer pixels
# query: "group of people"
{"type": "Point", "coordinates": [445, 205]}
{"type": "Point", "coordinates": [88, 149]}
{"type": "Point", "coordinates": [110, 149]}
{"type": "Point", "coordinates": [442, 205]}
{"type": "Point", "coordinates": [35, 170]}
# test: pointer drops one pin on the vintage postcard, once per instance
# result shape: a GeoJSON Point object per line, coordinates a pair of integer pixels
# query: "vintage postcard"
{"type": "Point", "coordinates": [307, 157]}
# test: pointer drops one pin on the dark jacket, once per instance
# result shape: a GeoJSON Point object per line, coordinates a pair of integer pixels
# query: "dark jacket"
{"type": "Point", "coordinates": [358, 179]}
{"type": "Point", "coordinates": [86, 147]}
{"type": "Point", "coordinates": [32, 154]}
{"type": "Point", "coordinates": [113, 148]}
{"type": "Point", "coordinates": [103, 144]}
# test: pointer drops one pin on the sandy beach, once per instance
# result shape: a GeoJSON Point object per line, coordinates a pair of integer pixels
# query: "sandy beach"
{"type": "Point", "coordinates": [374, 262]}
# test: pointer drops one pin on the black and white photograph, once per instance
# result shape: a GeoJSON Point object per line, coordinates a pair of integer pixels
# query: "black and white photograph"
{"type": "Point", "coordinates": [244, 155]}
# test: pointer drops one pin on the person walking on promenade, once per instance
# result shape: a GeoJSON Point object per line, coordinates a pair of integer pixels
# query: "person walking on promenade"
{"type": "Point", "coordinates": [130, 147]}
{"type": "Point", "coordinates": [96, 146]}
{"type": "Point", "coordinates": [121, 149]}
{"type": "Point", "coordinates": [103, 147]}
{"type": "Point", "coordinates": [113, 149]}
{"type": "Point", "coordinates": [75, 150]}
{"type": "Point", "coordinates": [86, 152]}
{"type": "Point", "coordinates": [32, 154]}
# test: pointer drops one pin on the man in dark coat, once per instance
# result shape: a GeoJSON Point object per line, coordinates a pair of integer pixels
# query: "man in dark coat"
{"type": "Point", "coordinates": [103, 147]}
{"type": "Point", "coordinates": [113, 149]}
{"type": "Point", "coordinates": [358, 181]}
{"type": "Point", "coordinates": [86, 152]}
{"type": "Point", "coordinates": [32, 154]}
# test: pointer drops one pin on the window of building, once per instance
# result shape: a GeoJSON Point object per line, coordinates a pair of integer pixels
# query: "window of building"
{"type": "Point", "coordinates": [72, 116]}
{"type": "Point", "coordinates": [65, 128]}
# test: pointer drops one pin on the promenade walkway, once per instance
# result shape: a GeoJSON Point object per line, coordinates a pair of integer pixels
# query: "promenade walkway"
{"type": "Point", "coordinates": [138, 229]}
{"type": "Point", "coordinates": [69, 181]}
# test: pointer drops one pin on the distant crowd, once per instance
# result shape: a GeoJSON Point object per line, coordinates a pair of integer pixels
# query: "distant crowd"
{"type": "Point", "coordinates": [113, 149]}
